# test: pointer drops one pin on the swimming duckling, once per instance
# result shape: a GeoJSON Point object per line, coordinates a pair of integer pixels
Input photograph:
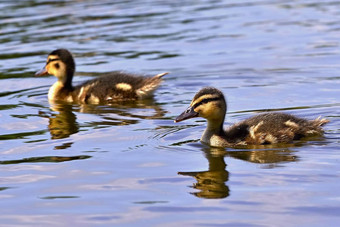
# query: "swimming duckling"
{"type": "Point", "coordinates": [115, 86]}
{"type": "Point", "coordinates": [267, 128]}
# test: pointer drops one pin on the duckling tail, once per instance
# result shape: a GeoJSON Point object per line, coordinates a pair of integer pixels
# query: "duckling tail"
{"type": "Point", "coordinates": [160, 75]}
{"type": "Point", "coordinates": [151, 84]}
{"type": "Point", "coordinates": [314, 127]}
{"type": "Point", "coordinates": [320, 121]}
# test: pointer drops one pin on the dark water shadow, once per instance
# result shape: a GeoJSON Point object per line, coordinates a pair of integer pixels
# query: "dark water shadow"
{"type": "Point", "coordinates": [132, 109]}
{"type": "Point", "coordinates": [63, 120]}
{"type": "Point", "coordinates": [63, 123]}
{"type": "Point", "coordinates": [21, 135]}
{"type": "Point", "coordinates": [55, 159]}
{"type": "Point", "coordinates": [211, 184]}
{"type": "Point", "coordinates": [268, 155]}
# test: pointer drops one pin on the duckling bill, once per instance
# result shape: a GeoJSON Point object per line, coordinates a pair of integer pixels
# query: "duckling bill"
{"type": "Point", "coordinates": [115, 86]}
{"type": "Point", "coordinates": [267, 128]}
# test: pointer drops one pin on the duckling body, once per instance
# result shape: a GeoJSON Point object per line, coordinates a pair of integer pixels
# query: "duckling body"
{"type": "Point", "coordinates": [267, 128]}
{"type": "Point", "coordinates": [115, 86]}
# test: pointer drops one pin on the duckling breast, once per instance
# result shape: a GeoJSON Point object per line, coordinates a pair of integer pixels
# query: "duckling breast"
{"type": "Point", "coordinates": [59, 92]}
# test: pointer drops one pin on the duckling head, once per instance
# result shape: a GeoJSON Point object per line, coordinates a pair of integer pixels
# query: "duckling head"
{"type": "Point", "coordinates": [60, 63]}
{"type": "Point", "coordinates": [208, 103]}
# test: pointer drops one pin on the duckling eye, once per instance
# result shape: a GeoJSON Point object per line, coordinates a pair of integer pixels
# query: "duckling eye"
{"type": "Point", "coordinates": [57, 66]}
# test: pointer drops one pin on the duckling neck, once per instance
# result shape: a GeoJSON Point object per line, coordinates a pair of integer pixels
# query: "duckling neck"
{"type": "Point", "coordinates": [60, 90]}
{"type": "Point", "coordinates": [214, 128]}
{"type": "Point", "coordinates": [67, 81]}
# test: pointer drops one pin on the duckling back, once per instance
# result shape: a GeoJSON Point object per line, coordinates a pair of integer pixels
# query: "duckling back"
{"type": "Point", "coordinates": [117, 86]}
{"type": "Point", "coordinates": [271, 128]}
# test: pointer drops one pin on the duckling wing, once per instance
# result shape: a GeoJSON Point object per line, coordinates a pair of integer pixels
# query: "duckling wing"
{"type": "Point", "coordinates": [270, 128]}
{"type": "Point", "coordinates": [116, 86]}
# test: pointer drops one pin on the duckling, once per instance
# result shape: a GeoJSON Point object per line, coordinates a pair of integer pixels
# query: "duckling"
{"type": "Point", "coordinates": [115, 86]}
{"type": "Point", "coordinates": [266, 128]}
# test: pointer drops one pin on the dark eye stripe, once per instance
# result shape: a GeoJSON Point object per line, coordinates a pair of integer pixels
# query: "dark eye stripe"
{"type": "Point", "coordinates": [205, 101]}
{"type": "Point", "coordinates": [51, 60]}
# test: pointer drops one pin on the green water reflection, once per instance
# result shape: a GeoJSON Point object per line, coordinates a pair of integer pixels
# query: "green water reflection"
{"type": "Point", "coordinates": [45, 159]}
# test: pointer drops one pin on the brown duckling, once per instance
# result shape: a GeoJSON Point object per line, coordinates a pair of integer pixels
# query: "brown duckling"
{"type": "Point", "coordinates": [115, 86]}
{"type": "Point", "coordinates": [267, 128]}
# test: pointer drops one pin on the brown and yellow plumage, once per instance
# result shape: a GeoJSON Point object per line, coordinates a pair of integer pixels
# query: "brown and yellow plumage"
{"type": "Point", "coordinates": [267, 128]}
{"type": "Point", "coordinates": [115, 86]}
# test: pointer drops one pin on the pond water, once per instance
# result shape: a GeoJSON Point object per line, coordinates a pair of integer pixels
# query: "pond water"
{"type": "Point", "coordinates": [129, 164]}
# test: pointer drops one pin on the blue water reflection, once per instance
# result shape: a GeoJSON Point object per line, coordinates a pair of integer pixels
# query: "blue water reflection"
{"type": "Point", "coordinates": [129, 164]}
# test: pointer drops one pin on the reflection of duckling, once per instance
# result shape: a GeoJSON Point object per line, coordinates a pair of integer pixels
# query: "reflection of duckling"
{"type": "Point", "coordinates": [140, 109]}
{"type": "Point", "coordinates": [211, 183]}
{"type": "Point", "coordinates": [268, 158]}
{"type": "Point", "coordinates": [63, 124]}
{"type": "Point", "coordinates": [267, 128]}
{"type": "Point", "coordinates": [116, 86]}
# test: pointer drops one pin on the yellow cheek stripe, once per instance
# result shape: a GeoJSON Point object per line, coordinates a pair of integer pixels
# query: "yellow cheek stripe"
{"type": "Point", "coordinates": [57, 72]}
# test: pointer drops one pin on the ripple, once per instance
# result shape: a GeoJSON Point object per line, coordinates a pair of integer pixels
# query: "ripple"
{"type": "Point", "coordinates": [265, 55]}
{"type": "Point", "coordinates": [45, 159]}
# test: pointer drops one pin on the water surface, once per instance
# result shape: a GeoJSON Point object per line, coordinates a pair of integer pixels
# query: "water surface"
{"type": "Point", "coordinates": [129, 164]}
